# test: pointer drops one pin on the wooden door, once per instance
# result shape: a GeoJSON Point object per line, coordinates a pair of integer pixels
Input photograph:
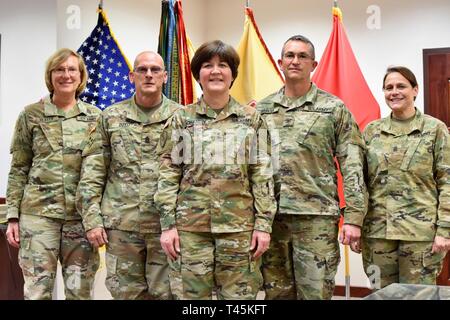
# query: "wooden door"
{"type": "Point", "coordinates": [436, 72]}
{"type": "Point", "coordinates": [11, 279]}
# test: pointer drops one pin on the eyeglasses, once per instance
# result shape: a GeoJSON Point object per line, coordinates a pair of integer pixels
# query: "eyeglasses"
{"type": "Point", "coordinates": [143, 70]}
{"type": "Point", "coordinates": [302, 56]}
{"type": "Point", "coordinates": [62, 71]}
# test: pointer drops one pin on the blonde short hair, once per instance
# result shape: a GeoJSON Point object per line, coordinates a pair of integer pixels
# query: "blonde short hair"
{"type": "Point", "coordinates": [59, 57]}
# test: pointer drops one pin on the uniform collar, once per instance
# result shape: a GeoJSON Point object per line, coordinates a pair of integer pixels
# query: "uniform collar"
{"type": "Point", "coordinates": [306, 100]}
{"type": "Point", "coordinates": [415, 125]}
{"type": "Point", "coordinates": [232, 107]}
{"type": "Point", "coordinates": [51, 110]}
{"type": "Point", "coordinates": [165, 110]}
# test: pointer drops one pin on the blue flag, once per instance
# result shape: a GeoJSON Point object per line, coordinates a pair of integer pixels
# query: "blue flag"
{"type": "Point", "coordinates": [107, 67]}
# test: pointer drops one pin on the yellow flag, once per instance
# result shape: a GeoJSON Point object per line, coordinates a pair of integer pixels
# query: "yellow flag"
{"type": "Point", "coordinates": [191, 52]}
{"type": "Point", "coordinates": [258, 74]}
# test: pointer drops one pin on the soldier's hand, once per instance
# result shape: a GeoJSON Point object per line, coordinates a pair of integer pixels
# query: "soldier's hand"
{"type": "Point", "coordinates": [170, 242]}
{"type": "Point", "coordinates": [12, 233]}
{"type": "Point", "coordinates": [351, 235]}
{"type": "Point", "coordinates": [97, 237]}
{"type": "Point", "coordinates": [260, 241]}
{"type": "Point", "coordinates": [440, 244]}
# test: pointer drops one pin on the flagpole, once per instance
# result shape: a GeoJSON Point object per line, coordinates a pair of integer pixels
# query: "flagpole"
{"type": "Point", "coordinates": [347, 273]}
{"type": "Point", "coordinates": [100, 5]}
{"type": "Point", "coordinates": [346, 252]}
{"type": "Point", "coordinates": [248, 3]}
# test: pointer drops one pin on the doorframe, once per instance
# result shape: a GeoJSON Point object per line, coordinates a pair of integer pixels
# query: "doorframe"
{"type": "Point", "coordinates": [426, 76]}
{"type": "Point", "coordinates": [444, 276]}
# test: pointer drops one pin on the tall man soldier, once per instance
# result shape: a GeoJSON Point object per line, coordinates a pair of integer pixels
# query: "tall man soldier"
{"type": "Point", "coordinates": [310, 128]}
{"type": "Point", "coordinates": [119, 178]}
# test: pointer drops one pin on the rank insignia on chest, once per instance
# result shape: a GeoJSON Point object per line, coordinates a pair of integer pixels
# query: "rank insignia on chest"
{"type": "Point", "coordinates": [288, 121]}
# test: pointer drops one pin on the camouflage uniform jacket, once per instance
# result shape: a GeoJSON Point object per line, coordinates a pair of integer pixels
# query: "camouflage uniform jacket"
{"type": "Point", "coordinates": [46, 159]}
{"type": "Point", "coordinates": [307, 133]}
{"type": "Point", "coordinates": [120, 168]}
{"type": "Point", "coordinates": [230, 193]}
{"type": "Point", "coordinates": [408, 178]}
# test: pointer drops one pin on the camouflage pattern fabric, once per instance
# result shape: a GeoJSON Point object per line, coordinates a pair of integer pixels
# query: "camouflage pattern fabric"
{"type": "Point", "coordinates": [213, 260]}
{"type": "Point", "coordinates": [396, 261]}
{"type": "Point", "coordinates": [398, 291]}
{"type": "Point", "coordinates": [120, 169]}
{"type": "Point", "coordinates": [302, 259]}
{"type": "Point", "coordinates": [119, 179]}
{"type": "Point", "coordinates": [137, 267]}
{"type": "Point", "coordinates": [408, 177]}
{"type": "Point", "coordinates": [46, 159]}
{"type": "Point", "coordinates": [307, 133]}
{"type": "Point", "coordinates": [215, 173]}
{"type": "Point", "coordinates": [44, 241]}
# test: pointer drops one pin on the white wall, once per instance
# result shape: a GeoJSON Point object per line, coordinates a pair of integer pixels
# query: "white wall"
{"type": "Point", "coordinates": [31, 30]}
{"type": "Point", "coordinates": [28, 38]}
{"type": "Point", "coordinates": [407, 27]}
{"type": "Point", "coordinates": [135, 23]}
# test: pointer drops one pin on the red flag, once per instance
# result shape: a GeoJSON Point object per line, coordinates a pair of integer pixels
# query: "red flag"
{"type": "Point", "coordinates": [187, 94]}
{"type": "Point", "coordinates": [338, 73]}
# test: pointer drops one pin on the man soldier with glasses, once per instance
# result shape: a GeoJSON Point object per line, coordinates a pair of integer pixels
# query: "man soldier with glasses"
{"type": "Point", "coordinates": [119, 179]}
{"type": "Point", "coordinates": [309, 128]}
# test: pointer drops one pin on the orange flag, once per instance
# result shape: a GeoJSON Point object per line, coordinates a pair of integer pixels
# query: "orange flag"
{"type": "Point", "coordinates": [338, 73]}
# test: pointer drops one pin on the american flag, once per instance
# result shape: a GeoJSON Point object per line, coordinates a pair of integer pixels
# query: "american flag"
{"type": "Point", "coordinates": [107, 67]}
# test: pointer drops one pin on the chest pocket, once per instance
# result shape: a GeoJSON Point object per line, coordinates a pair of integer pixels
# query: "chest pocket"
{"type": "Point", "coordinates": [377, 159]}
{"type": "Point", "coordinates": [314, 132]}
{"type": "Point", "coordinates": [76, 132]}
{"type": "Point", "coordinates": [152, 135]}
{"type": "Point", "coordinates": [189, 143]}
{"type": "Point", "coordinates": [306, 122]}
{"type": "Point", "coordinates": [240, 145]}
{"type": "Point", "coordinates": [419, 157]}
{"type": "Point", "coordinates": [47, 137]}
{"type": "Point", "coordinates": [124, 146]}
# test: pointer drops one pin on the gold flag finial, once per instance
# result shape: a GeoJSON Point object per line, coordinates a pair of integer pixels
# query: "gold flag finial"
{"type": "Point", "coordinates": [336, 11]}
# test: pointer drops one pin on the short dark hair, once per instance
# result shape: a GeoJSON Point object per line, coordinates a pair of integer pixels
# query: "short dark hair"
{"type": "Point", "coordinates": [209, 50]}
{"type": "Point", "coordinates": [404, 71]}
{"type": "Point", "coordinates": [303, 39]}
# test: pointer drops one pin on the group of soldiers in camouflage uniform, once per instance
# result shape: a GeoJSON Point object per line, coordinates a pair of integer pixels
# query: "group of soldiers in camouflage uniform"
{"type": "Point", "coordinates": [188, 199]}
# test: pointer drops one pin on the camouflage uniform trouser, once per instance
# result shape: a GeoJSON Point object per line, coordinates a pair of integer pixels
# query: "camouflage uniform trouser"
{"type": "Point", "coordinates": [137, 267]}
{"type": "Point", "coordinates": [215, 260]}
{"type": "Point", "coordinates": [302, 259]}
{"type": "Point", "coordinates": [44, 241]}
{"type": "Point", "coordinates": [396, 261]}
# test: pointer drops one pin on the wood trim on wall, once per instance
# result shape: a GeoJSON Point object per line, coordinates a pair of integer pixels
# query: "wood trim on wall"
{"type": "Point", "coordinates": [357, 292]}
